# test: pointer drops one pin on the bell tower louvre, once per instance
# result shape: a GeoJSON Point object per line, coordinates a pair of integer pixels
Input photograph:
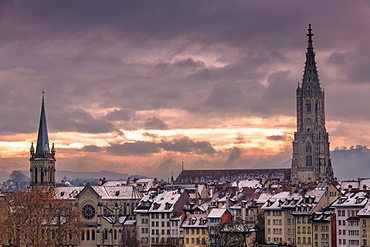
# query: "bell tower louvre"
{"type": "Point", "coordinates": [311, 154]}
{"type": "Point", "coordinates": [42, 162]}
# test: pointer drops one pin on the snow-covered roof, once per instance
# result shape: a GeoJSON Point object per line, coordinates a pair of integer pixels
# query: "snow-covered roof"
{"type": "Point", "coordinates": [365, 212]}
{"type": "Point", "coordinates": [217, 212]}
{"type": "Point", "coordinates": [276, 202]}
{"type": "Point", "coordinates": [105, 192]}
{"type": "Point", "coordinates": [165, 201]}
{"type": "Point", "coordinates": [67, 192]}
{"type": "Point", "coordinates": [251, 183]}
{"type": "Point", "coordinates": [351, 199]}
{"type": "Point", "coordinates": [114, 183]}
{"type": "Point", "coordinates": [195, 220]}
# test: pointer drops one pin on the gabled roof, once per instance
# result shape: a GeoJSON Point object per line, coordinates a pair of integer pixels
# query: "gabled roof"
{"type": "Point", "coordinates": [217, 212]}
{"type": "Point", "coordinates": [165, 201]}
{"type": "Point", "coordinates": [104, 192]}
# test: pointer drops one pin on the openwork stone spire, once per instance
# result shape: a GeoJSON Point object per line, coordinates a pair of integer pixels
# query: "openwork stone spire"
{"type": "Point", "coordinates": [311, 155]}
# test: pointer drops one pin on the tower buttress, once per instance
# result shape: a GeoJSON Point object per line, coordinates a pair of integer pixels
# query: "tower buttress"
{"type": "Point", "coordinates": [311, 154]}
{"type": "Point", "coordinates": [42, 162]}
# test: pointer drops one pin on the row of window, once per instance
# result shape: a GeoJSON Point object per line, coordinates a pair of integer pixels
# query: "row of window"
{"type": "Point", "coordinates": [163, 215]}
{"type": "Point", "coordinates": [304, 240]}
{"type": "Point", "coordinates": [303, 229]}
{"type": "Point", "coordinates": [163, 232]}
{"type": "Point", "coordinates": [195, 231]}
{"type": "Point", "coordinates": [350, 213]}
{"type": "Point", "coordinates": [198, 241]}
{"type": "Point", "coordinates": [156, 224]}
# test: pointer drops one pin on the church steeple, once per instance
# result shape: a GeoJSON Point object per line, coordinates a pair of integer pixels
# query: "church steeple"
{"type": "Point", "coordinates": [42, 139]}
{"type": "Point", "coordinates": [42, 162]}
{"type": "Point", "coordinates": [310, 76]}
{"type": "Point", "coordinates": [311, 155]}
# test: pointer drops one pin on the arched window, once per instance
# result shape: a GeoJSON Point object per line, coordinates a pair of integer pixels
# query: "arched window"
{"type": "Point", "coordinates": [308, 148]}
{"type": "Point", "coordinates": [308, 160]}
{"type": "Point", "coordinates": [92, 234]}
{"type": "Point", "coordinates": [308, 106]}
{"type": "Point", "coordinates": [88, 235]}
{"type": "Point", "coordinates": [317, 107]}
{"type": "Point", "coordinates": [83, 235]}
{"type": "Point", "coordinates": [42, 175]}
{"type": "Point", "coordinates": [36, 174]}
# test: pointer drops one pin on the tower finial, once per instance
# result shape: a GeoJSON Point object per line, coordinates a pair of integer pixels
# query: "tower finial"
{"type": "Point", "coordinates": [310, 34]}
{"type": "Point", "coordinates": [43, 95]}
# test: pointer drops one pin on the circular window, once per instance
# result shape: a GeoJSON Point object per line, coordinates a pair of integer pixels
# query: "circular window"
{"type": "Point", "coordinates": [88, 211]}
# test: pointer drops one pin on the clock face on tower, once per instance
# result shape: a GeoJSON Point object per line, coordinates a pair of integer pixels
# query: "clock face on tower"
{"type": "Point", "coordinates": [88, 211]}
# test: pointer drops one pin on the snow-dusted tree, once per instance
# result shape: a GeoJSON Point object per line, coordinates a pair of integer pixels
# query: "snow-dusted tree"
{"type": "Point", "coordinates": [35, 218]}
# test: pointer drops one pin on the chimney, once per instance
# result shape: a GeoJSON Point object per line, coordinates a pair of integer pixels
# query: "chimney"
{"type": "Point", "coordinates": [349, 188]}
{"type": "Point", "coordinates": [292, 188]}
{"type": "Point", "coordinates": [244, 210]}
{"type": "Point", "coordinates": [196, 192]}
{"type": "Point", "coordinates": [227, 202]}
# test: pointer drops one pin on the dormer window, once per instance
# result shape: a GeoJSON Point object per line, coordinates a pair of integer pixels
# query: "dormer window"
{"type": "Point", "coordinates": [168, 206]}
{"type": "Point", "coordinates": [192, 220]}
{"type": "Point", "coordinates": [156, 205]}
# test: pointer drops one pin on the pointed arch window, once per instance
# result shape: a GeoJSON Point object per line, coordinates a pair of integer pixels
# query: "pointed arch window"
{"type": "Point", "coordinates": [308, 106]}
{"type": "Point", "coordinates": [317, 107]}
{"type": "Point", "coordinates": [309, 148]}
{"type": "Point", "coordinates": [309, 161]}
{"type": "Point", "coordinates": [36, 180]}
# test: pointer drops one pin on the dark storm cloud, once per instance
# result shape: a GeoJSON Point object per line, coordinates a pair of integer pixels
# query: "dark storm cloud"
{"type": "Point", "coordinates": [278, 138]}
{"type": "Point", "coordinates": [238, 59]}
{"type": "Point", "coordinates": [182, 145]}
{"type": "Point", "coordinates": [78, 120]}
{"type": "Point", "coordinates": [120, 115]}
{"type": "Point", "coordinates": [91, 148]}
{"type": "Point", "coordinates": [134, 148]}
{"type": "Point", "coordinates": [155, 123]}
{"type": "Point", "coordinates": [186, 145]}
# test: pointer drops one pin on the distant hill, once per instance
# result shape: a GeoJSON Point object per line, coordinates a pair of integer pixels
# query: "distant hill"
{"type": "Point", "coordinates": [348, 163]}
{"type": "Point", "coordinates": [351, 163]}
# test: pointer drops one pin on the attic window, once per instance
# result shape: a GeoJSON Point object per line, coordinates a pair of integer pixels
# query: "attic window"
{"type": "Point", "coordinates": [117, 193]}
{"type": "Point", "coordinates": [156, 205]}
{"type": "Point", "coordinates": [192, 220]}
{"type": "Point", "coordinates": [168, 206]}
{"type": "Point", "coordinates": [202, 221]}
{"type": "Point", "coordinates": [62, 193]}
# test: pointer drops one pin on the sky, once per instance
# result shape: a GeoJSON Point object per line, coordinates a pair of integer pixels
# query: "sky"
{"type": "Point", "coordinates": [140, 87]}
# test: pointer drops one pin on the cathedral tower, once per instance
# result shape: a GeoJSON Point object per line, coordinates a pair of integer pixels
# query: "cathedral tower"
{"type": "Point", "coordinates": [42, 162]}
{"type": "Point", "coordinates": [311, 155]}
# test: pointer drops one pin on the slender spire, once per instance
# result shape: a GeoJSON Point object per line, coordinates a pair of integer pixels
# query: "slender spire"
{"type": "Point", "coordinates": [42, 138]}
{"type": "Point", "coordinates": [310, 77]}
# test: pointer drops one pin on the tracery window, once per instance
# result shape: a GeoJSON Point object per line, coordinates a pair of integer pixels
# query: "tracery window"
{"type": "Point", "coordinates": [308, 106]}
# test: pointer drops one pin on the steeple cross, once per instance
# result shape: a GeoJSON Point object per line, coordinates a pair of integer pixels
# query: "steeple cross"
{"type": "Point", "coordinates": [310, 34]}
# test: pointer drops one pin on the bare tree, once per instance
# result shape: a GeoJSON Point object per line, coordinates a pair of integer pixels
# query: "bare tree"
{"type": "Point", "coordinates": [35, 218]}
{"type": "Point", "coordinates": [237, 235]}
{"type": "Point", "coordinates": [130, 237]}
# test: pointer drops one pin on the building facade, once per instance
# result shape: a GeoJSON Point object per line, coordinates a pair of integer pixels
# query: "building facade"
{"type": "Point", "coordinates": [311, 157]}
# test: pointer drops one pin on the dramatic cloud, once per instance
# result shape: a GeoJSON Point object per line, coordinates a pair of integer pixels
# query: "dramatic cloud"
{"type": "Point", "coordinates": [155, 123]}
{"type": "Point", "coordinates": [143, 83]}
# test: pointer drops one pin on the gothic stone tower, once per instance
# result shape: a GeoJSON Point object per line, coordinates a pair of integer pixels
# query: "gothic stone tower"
{"type": "Point", "coordinates": [311, 157]}
{"type": "Point", "coordinates": [42, 161]}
